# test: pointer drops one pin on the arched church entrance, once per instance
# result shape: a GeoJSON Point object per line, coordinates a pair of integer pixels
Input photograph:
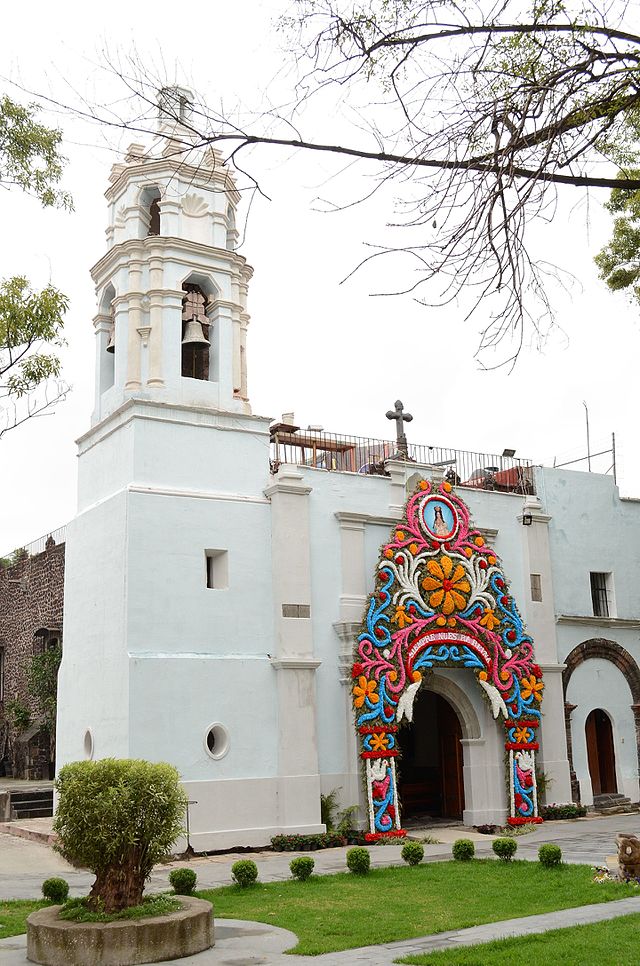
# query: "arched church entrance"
{"type": "Point", "coordinates": [600, 753]}
{"type": "Point", "coordinates": [431, 781]}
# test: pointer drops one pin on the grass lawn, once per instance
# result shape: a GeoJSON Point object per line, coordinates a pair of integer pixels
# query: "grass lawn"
{"type": "Point", "coordinates": [13, 915]}
{"type": "Point", "coordinates": [612, 943]}
{"type": "Point", "coordinates": [330, 913]}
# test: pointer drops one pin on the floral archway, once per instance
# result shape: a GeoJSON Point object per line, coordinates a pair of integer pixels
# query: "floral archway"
{"type": "Point", "coordinates": [442, 600]}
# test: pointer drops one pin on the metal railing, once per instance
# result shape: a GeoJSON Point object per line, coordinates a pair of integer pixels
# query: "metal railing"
{"type": "Point", "coordinates": [36, 546]}
{"type": "Point", "coordinates": [359, 454]}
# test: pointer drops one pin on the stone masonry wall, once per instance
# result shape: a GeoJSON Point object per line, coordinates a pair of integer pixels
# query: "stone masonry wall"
{"type": "Point", "coordinates": [31, 602]}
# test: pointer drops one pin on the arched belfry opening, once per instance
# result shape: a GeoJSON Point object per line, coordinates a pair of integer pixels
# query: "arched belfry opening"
{"type": "Point", "coordinates": [196, 343]}
{"type": "Point", "coordinates": [149, 205]}
{"type": "Point", "coordinates": [441, 601]}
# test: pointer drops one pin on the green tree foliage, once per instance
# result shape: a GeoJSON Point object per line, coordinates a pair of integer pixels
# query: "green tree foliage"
{"type": "Point", "coordinates": [118, 818]}
{"type": "Point", "coordinates": [30, 154]}
{"type": "Point", "coordinates": [42, 679]}
{"type": "Point", "coordinates": [31, 322]}
{"type": "Point", "coordinates": [619, 260]}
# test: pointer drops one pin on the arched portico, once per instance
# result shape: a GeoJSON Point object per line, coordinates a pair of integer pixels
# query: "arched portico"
{"type": "Point", "coordinates": [442, 601]}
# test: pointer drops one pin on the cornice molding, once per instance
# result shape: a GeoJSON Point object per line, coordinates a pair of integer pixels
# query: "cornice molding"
{"type": "Point", "coordinates": [620, 622]}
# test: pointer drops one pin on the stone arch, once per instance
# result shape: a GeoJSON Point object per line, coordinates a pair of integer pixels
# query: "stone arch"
{"type": "Point", "coordinates": [599, 647]}
{"type": "Point", "coordinates": [460, 703]}
{"type": "Point", "coordinates": [609, 651]}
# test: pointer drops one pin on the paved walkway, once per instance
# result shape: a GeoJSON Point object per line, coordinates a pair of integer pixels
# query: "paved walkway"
{"type": "Point", "coordinates": [24, 864]}
{"type": "Point", "coordinates": [240, 943]}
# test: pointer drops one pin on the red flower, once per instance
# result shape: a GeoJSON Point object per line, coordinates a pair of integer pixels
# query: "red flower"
{"type": "Point", "coordinates": [537, 670]}
{"type": "Point", "coordinates": [357, 670]}
{"type": "Point", "coordinates": [518, 799]}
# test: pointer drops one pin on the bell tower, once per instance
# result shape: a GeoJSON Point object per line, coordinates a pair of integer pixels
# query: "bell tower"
{"type": "Point", "coordinates": [168, 611]}
{"type": "Point", "coordinates": [172, 290]}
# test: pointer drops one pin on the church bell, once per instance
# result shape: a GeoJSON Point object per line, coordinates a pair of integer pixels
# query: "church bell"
{"type": "Point", "coordinates": [194, 335]}
{"type": "Point", "coordinates": [111, 344]}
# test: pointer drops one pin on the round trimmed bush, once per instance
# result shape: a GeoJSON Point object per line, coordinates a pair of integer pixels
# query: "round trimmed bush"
{"type": "Point", "coordinates": [505, 848]}
{"type": "Point", "coordinates": [55, 890]}
{"type": "Point", "coordinates": [463, 850]}
{"type": "Point", "coordinates": [358, 860]}
{"type": "Point", "coordinates": [244, 872]}
{"type": "Point", "coordinates": [183, 881]}
{"type": "Point", "coordinates": [550, 855]}
{"type": "Point", "coordinates": [302, 867]}
{"type": "Point", "coordinates": [412, 853]}
{"type": "Point", "coordinates": [118, 818]}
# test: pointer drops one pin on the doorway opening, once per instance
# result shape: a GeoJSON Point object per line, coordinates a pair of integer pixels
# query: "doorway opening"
{"type": "Point", "coordinates": [600, 753]}
{"type": "Point", "coordinates": [431, 783]}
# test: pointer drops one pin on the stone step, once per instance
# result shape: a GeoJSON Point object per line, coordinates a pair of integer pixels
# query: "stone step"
{"type": "Point", "coordinates": [616, 809]}
{"type": "Point", "coordinates": [44, 811]}
{"type": "Point", "coordinates": [610, 799]}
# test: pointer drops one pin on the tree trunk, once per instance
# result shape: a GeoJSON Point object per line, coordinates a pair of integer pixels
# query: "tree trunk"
{"type": "Point", "coordinates": [119, 886]}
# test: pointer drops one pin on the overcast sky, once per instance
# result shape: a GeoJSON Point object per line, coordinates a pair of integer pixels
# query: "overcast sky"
{"type": "Point", "coordinates": [330, 352]}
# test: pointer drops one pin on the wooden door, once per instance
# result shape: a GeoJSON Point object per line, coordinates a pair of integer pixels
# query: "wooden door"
{"type": "Point", "coordinates": [450, 760]}
{"type": "Point", "coordinates": [601, 753]}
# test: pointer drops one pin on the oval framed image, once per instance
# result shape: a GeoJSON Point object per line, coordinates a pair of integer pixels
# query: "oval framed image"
{"type": "Point", "coordinates": [87, 744]}
{"type": "Point", "coordinates": [216, 741]}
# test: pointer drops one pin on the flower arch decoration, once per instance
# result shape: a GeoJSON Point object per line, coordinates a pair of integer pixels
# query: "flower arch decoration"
{"type": "Point", "coordinates": [442, 600]}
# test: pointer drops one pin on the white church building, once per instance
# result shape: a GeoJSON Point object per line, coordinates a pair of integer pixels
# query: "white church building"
{"type": "Point", "coordinates": [225, 586]}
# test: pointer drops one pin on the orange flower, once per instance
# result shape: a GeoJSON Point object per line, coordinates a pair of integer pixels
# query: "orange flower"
{"type": "Point", "coordinates": [379, 742]}
{"type": "Point", "coordinates": [400, 535]}
{"type": "Point", "coordinates": [489, 620]}
{"type": "Point", "coordinates": [364, 689]}
{"type": "Point", "coordinates": [413, 547]}
{"type": "Point", "coordinates": [401, 618]}
{"type": "Point", "coordinates": [531, 686]}
{"type": "Point", "coordinates": [522, 735]}
{"type": "Point", "coordinates": [446, 585]}
{"type": "Point", "coordinates": [446, 487]}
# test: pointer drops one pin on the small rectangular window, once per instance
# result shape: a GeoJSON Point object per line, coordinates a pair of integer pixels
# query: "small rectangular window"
{"type": "Point", "coordinates": [601, 595]}
{"type": "Point", "coordinates": [217, 563]}
{"type": "Point", "coordinates": [536, 587]}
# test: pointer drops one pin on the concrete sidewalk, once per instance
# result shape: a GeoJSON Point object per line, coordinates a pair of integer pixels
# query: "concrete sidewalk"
{"type": "Point", "coordinates": [253, 943]}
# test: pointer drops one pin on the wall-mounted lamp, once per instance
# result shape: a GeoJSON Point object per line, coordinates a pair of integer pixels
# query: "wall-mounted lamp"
{"type": "Point", "coordinates": [527, 518]}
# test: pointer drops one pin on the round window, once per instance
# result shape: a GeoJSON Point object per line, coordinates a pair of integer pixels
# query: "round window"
{"type": "Point", "coordinates": [88, 744]}
{"type": "Point", "coordinates": [216, 741]}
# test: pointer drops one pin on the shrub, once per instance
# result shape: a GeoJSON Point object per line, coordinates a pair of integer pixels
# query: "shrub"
{"type": "Point", "coordinates": [358, 860]}
{"type": "Point", "coordinates": [568, 810]}
{"type": "Point", "coordinates": [183, 881]}
{"type": "Point", "coordinates": [244, 872]}
{"type": "Point", "coordinates": [412, 853]}
{"type": "Point", "coordinates": [55, 890]}
{"type": "Point", "coordinates": [118, 818]}
{"type": "Point", "coordinates": [550, 855]}
{"type": "Point", "coordinates": [302, 867]}
{"type": "Point", "coordinates": [463, 850]}
{"type": "Point", "coordinates": [505, 848]}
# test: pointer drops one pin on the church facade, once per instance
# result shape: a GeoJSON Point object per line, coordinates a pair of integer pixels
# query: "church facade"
{"type": "Point", "coordinates": [221, 574]}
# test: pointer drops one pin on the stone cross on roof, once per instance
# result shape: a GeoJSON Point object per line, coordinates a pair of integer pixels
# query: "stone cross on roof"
{"type": "Point", "coordinates": [401, 418]}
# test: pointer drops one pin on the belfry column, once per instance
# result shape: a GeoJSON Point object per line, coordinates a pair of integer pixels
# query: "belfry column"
{"type": "Point", "coordinates": [155, 377]}
{"type": "Point", "coordinates": [294, 662]}
{"type": "Point", "coordinates": [135, 321]}
{"type": "Point", "coordinates": [541, 624]}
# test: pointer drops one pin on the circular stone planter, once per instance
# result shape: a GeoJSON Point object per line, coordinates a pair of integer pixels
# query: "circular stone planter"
{"type": "Point", "coordinates": [57, 942]}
